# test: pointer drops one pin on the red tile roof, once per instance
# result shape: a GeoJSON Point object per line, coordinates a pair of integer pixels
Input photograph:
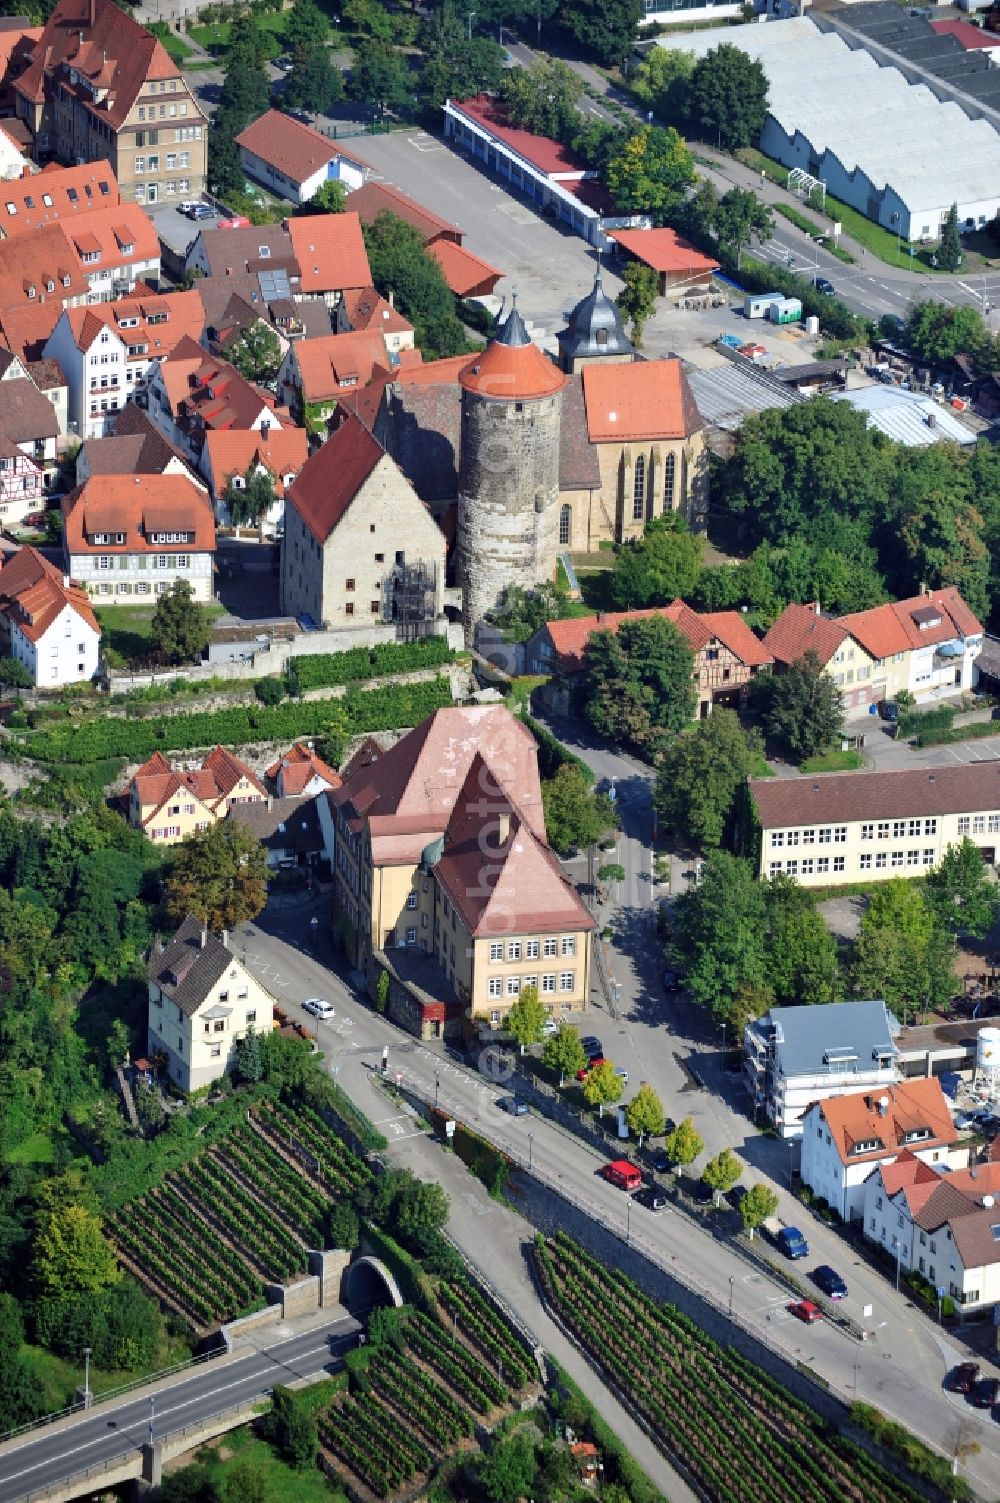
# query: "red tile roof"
{"type": "Point", "coordinates": [466, 274]}
{"type": "Point", "coordinates": [337, 361]}
{"type": "Point", "coordinates": [213, 782]}
{"type": "Point", "coordinates": [295, 149]}
{"type": "Point", "coordinates": [330, 250]}
{"type": "Point", "coordinates": [33, 593]}
{"type": "Point", "coordinates": [843, 797]}
{"type": "Point", "coordinates": [650, 399]}
{"type": "Point", "coordinates": [332, 477]}
{"type": "Point", "coordinates": [906, 1172]}
{"type": "Point", "coordinates": [73, 192]}
{"type": "Point", "coordinates": [888, 629]}
{"type": "Point", "coordinates": [292, 773]}
{"type": "Point", "coordinates": [26, 329]}
{"type": "Point", "coordinates": [549, 157]}
{"type": "Point", "coordinates": [801, 629]}
{"type": "Point", "coordinates": [185, 318]}
{"type": "Point", "coordinates": [570, 637]}
{"type": "Point", "coordinates": [373, 199]}
{"type": "Point", "coordinates": [913, 1106]}
{"type": "Point", "coordinates": [43, 266]}
{"type": "Point", "coordinates": [231, 452]}
{"type": "Point", "coordinates": [365, 309]}
{"type": "Point", "coordinates": [107, 48]}
{"type": "Point", "coordinates": [509, 373]}
{"type": "Point", "coordinates": [664, 250]}
{"type": "Point", "coordinates": [139, 508]}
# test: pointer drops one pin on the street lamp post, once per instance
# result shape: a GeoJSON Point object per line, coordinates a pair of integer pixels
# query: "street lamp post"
{"type": "Point", "coordinates": [894, 219]}
{"type": "Point", "coordinates": [856, 1367]}
{"type": "Point", "coordinates": [437, 1087]}
{"type": "Point", "coordinates": [732, 1284]}
{"type": "Point", "coordinates": [723, 1047]}
{"type": "Point", "coordinates": [791, 1163]}
{"type": "Point", "coordinates": [899, 1251]}
{"type": "Point", "coordinates": [152, 1416]}
{"type": "Point", "coordinates": [86, 1376]}
{"type": "Point", "coordinates": [471, 17]}
{"type": "Point", "coordinates": [531, 1144]}
{"type": "Point", "coordinates": [628, 1222]}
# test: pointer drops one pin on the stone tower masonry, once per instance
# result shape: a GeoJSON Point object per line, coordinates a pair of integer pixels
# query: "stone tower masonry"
{"type": "Point", "coordinates": [508, 488]}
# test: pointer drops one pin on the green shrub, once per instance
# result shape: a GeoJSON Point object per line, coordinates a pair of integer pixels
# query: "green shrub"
{"type": "Point", "coordinates": [975, 732]}
{"type": "Point", "coordinates": [552, 754]}
{"type": "Point", "coordinates": [918, 1457]}
{"type": "Point", "coordinates": [325, 670]}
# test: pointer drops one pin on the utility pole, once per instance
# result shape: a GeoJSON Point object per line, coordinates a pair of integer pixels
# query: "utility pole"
{"type": "Point", "coordinates": [471, 18]}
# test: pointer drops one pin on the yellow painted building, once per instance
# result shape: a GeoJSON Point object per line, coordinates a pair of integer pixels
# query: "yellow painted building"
{"type": "Point", "coordinates": [167, 805]}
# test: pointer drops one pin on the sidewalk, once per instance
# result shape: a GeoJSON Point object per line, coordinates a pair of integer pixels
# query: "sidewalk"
{"type": "Point", "coordinates": [497, 1240]}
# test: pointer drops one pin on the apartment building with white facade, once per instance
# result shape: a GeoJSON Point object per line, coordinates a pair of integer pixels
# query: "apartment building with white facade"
{"type": "Point", "coordinates": [47, 624]}
{"type": "Point", "coordinates": [793, 1056]}
{"type": "Point", "coordinates": [867, 826]}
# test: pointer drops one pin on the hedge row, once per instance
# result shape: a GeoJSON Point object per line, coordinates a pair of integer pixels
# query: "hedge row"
{"type": "Point", "coordinates": [382, 709]}
{"type": "Point", "coordinates": [324, 670]}
{"type": "Point", "coordinates": [552, 754]}
{"type": "Point", "coordinates": [946, 733]}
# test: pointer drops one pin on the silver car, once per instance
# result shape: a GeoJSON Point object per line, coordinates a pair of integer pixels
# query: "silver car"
{"type": "Point", "coordinates": [319, 1008]}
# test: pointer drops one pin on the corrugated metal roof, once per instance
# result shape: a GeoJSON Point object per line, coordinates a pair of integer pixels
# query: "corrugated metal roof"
{"type": "Point", "coordinates": [729, 393]}
{"type": "Point", "coordinates": [905, 416]}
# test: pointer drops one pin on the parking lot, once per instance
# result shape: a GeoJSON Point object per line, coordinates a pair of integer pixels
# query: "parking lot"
{"type": "Point", "coordinates": [887, 755]}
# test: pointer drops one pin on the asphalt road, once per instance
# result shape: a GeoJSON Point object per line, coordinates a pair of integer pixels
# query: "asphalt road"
{"type": "Point", "coordinates": [57, 1453]}
{"type": "Point", "coordinates": [900, 1368]}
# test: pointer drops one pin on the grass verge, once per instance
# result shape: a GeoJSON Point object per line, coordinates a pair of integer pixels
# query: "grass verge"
{"type": "Point", "coordinates": [241, 1457]}
{"type": "Point", "coordinates": [834, 760]}
{"type": "Point", "coordinates": [128, 628]}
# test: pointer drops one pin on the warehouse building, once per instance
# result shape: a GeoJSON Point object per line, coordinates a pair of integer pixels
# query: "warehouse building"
{"type": "Point", "coordinates": [892, 149]}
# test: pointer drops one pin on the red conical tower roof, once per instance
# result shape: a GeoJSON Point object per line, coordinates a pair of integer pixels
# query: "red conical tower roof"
{"type": "Point", "coordinates": [512, 368]}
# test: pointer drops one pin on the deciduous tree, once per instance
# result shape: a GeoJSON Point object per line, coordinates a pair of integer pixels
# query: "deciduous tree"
{"type": "Point", "coordinates": [575, 816]}
{"type": "Point", "coordinates": [603, 1086]}
{"type": "Point", "coordinates": [727, 97]}
{"type": "Point", "coordinates": [903, 952]}
{"type": "Point", "coordinates": [330, 198]}
{"type": "Point", "coordinates": [699, 776]}
{"type": "Point", "coordinates": [401, 267]}
{"type": "Point", "coordinates": [219, 876]}
{"type": "Point", "coordinates": [250, 500]}
{"type": "Point", "coordinates": [644, 1114]}
{"type": "Point", "coordinates": [380, 76]}
{"type": "Point", "coordinates": [305, 26]}
{"type": "Point", "coordinates": [72, 1255]}
{"type": "Point", "coordinates": [961, 893]}
{"type": "Point", "coordinates": [656, 568]}
{"type": "Point", "coordinates": [661, 83]}
{"type": "Point", "coordinates": [683, 1145]}
{"type": "Point", "coordinates": [651, 172]}
{"type": "Point", "coordinates": [605, 32]}
{"type": "Point", "coordinates": [181, 626]}
{"type": "Point", "coordinates": [637, 298]}
{"type": "Point", "coordinates": [721, 1173]}
{"type": "Point", "coordinates": [639, 685]}
{"type": "Point", "coordinates": [564, 1052]}
{"type": "Point", "coordinates": [507, 1471]}
{"type": "Point", "coordinates": [740, 219]}
{"type": "Point", "coordinates": [456, 66]}
{"type": "Point", "coordinates": [256, 354]}
{"type": "Point", "coordinates": [526, 1018]}
{"type": "Point", "coordinates": [802, 964]}
{"type": "Point", "coordinates": [803, 711]}
{"type": "Point", "coordinates": [949, 252]}
{"type": "Point", "coordinates": [542, 98]}
{"type": "Point", "coordinates": [757, 1205]}
{"type": "Point", "coordinates": [312, 82]}
{"type": "Point", "coordinates": [720, 936]}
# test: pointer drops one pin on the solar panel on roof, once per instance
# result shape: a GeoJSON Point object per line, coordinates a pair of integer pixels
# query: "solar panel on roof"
{"type": "Point", "coordinates": [274, 284]}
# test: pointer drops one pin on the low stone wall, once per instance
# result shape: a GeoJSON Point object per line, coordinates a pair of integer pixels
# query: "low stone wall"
{"type": "Point", "coordinates": [238, 1330]}
{"type": "Point", "coordinates": [460, 674]}
{"type": "Point", "coordinates": [329, 1268]}
{"type": "Point", "coordinates": [300, 1298]}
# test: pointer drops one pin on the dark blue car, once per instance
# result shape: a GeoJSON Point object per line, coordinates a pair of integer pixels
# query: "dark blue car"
{"type": "Point", "coordinates": [827, 1279]}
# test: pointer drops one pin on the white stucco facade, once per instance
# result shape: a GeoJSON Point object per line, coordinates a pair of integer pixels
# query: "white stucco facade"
{"type": "Point", "coordinates": [68, 652]}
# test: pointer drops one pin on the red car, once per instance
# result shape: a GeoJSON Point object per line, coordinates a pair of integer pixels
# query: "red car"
{"type": "Point", "coordinates": [804, 1309]}
{"type": "Point", "coordinates": [590, 1065]}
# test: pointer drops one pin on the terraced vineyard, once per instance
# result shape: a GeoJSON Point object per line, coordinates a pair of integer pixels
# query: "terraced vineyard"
{"type": "Point", "coordinates": [743, 1436]}
{"type": "Point", "coordinates": [421, 1396]}
{"type": "Point", "coordinates": [239, 1215]}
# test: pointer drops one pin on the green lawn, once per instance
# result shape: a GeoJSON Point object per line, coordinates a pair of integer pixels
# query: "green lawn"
{"type": "Point", "coordinates": [174, 46]}
{"type": "Point", "coordinates": [127, 628]}
{"type": "Point", "coordinates": [834, 761]}
{"type": "Point", "coordinates": [60, 1378]}
{"type": "Point", "coordinates": [215, 39]}
{"type": "Point", "coordinates": [38, 1149]}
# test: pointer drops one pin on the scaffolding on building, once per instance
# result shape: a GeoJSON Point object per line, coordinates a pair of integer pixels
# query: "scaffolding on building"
{"type": "Point", "coordinates": [409, 599]}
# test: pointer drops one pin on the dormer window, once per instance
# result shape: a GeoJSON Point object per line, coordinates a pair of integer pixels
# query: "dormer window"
{"type": "Point", "coordinates": [107, 539]}
{"type": "Point", "coordinates": [47, 200]}
{"type": "Point", "coordinates": [264, 251]}
{"type": "Point", "coordinates": [867, 1145]}
{"type": "Point", "coordinates": [50, 286]}
{"type": "Point", "coordinates": [12, 208]}
{"type": "Point", "coordinates": [31, 290]}
{"type": "Point", "coordinates": [65, 279]}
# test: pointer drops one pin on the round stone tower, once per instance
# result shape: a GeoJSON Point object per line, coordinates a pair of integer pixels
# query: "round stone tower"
{"type": "Point", "coordinates": [508, 484]}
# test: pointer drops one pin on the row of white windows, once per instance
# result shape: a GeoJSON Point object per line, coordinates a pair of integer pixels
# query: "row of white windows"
{"type": "Point", "coordinates": [143, 587]}
{"type": "Point", "coordinates": [148, 193]}
{"type": "Point", "coordinates": [897, 828]}
{"type": "Point", "coordinates": [639, 486]}
{"type": "Point", "coordinates": [978, 824]}
{"type": "Point", "coordinates": [157, 561]}
{"type": "Point", "coordinates": [807, 868]}
{"type": "Point", "coordinates": [868, 861]}
{"type": "Point", "coordinates": [827, 835]}
{"type": "Point", "coordinates": [549, 946]}
{"type": "Point", "coordinates": [175, 159]}
{"type": "Point", "coordinates": [514, 985]}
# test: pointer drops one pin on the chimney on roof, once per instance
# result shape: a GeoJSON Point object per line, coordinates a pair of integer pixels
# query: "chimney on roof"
{"type": "Point", "coordinates": [204, 936]}
{"type": "Point", "coordinates": [932, 420]}
{"type": "Point", "coordinates": [988, 1202]}
{"type": "Point", "coordinates": [600, 617]}
{"type": "Point", "coordinates": [93, 12]}
{"type": "Point", "coordinates": [224, 936]}
{"type": "Point", "coordinates": [923, 587]}
{"type": "Point", "coordinates": [392, 298]}
{"type": "Point", "coordinates": [503, 828]}
{"type": "Point", "coordinates": [270, 801]}
{"type": "Point", "coordinates": [816, 607]}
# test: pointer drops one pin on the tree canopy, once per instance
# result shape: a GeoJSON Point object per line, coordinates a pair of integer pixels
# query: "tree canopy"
{"type": "Point", "coordinates": [699, 775]}
{"type": "Point", "coordinates": [542, 98]}
{"type": "Point", "coordinates": [253, 499]}
{"type": "Point", "coordinates": [740, 218]}
{"type": "Point", "coordinates": [961, 892]}
{"type": "Point", "coordinates": [454, 65]}
{"type": "Point", "coordinates": [639, 686]}
{"type": "Point", "coordinates": [312, 82]}
{"type": "Point", "coordinates": [904, 953]}
{"type": "Point", "coordinates": [644, 1115]}
{"type": "Point", "coordinates": [181, 626]}
{"type": "Point", "coordinates": [219, 876]}
{"type": "Point", "coordinates": [727, 97]}
{"type": "Point", "coordinates": [575, 816]}
{"type": "Point", "coordinates": [256, 353]}
{"type": "Point", "coordinates": [651, 172]}
{"type": "Point", "coordinates": [802, 707]}
{"type": "Point", "coordinates": [949, 252]}
{"type": "Point", "coordinates": [637, 299]}
{"type": "Point", "coordinates": [402, 267]}
{"type": "Point", "coordinates": [656, 568]}
{"type": "Point", "coordinates": [606, 32]}
{"type": "Point", "coordinates": [380, 76]}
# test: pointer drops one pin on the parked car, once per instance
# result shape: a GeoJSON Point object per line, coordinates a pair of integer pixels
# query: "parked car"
{"type": "Point", "coordinates": [318, 1007]}
{"type": "Point", "coordinates": [672, 981]}
{"type": "Point", "coordinates": [659, 1160]}
{"type": "Point", "coordinates": [549, 1027]}
{"type": "Point", "coordinates": [592, 1046]}
{"type": "Point", "coordinates": [590, 1065]}
{"type": "Point", "coordinates": [963, 1378]}
{"type": "Point", "coordinates": [791, 1242]}
{"type": "Point", "coordinates": [804, 1309]}
{"type": "Point", "coordinates": [35, 519]}
{"type": "Point", "coordinates": [199, 211]}
{"type": "Point", "coordinates": [516, 1106]}
{"type": "Point", "coordinates": [284, 63]}
{"type": "Point", "coordinates": [737, 1195]}
{"type": "Point", "coordinates": [889, 710]}
{"type": "Point", "coordinates": [825, 286]}
{"type": "Point", "coordinates": [651, 1197]}
{"type": "Point", "coordinates": [622, 1173]}
{"type": "Point", "coordinates": [985, 1393]}
{"type": "Point", "coordinates": [702, 1193]}
{"type": "Point", "coordinates": [827, 1279]}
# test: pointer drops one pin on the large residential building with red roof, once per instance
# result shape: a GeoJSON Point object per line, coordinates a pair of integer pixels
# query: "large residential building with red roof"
{"type": "Point", "coordinates": [361, 310]}
{"type": "Point", "coordinates": [46, 623]}
{"type": "Point", "coordinates": [238, 454]}
{"type": "Point", "coordinates": [168, 803]}
{"type": "Point", "coordinates": [944, 1227]}
{"type": "Point", "coordinates": [127, 539]}
{"type": "Point", "coordinates": [191, 393]}
{"type": "Point", "coordinates": [106, 350]}
{"type": "Point", "coordinates": [845, 1139]}
{"type": "Point", "coordinates": [300, 772]}
{"type": "Point", "coordinates": [926, 645]}
{"type": "Point", "coordinates": [293, 160]}
{"type": "Point", "coordinates": [446, 882]}
{"type": "Point", "coordinates": [316, 373]}
{"type": "Point", "coordinates": [727, 654]}
{"type": "Point", "coordinates": [837, 827]}
{"type": "Point", "coordinates": [360, 548]}
{"type": "Point", "coordinates": [56, 195]}
{"type": "Point", "coordinates": [98, 86]}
